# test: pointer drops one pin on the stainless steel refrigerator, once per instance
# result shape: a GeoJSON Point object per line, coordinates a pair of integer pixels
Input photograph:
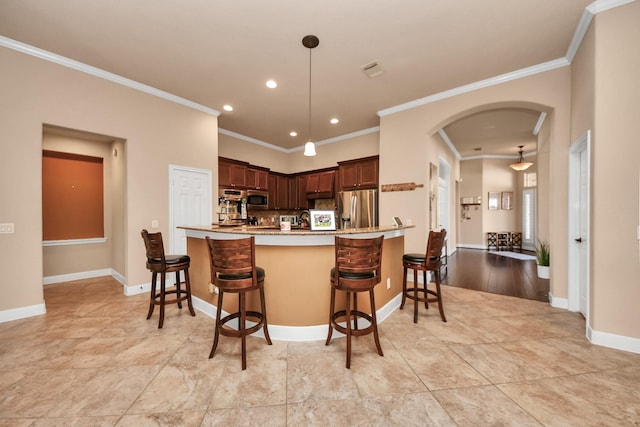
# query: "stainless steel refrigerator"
{"type": "Point", "coordinates": [358, 209]}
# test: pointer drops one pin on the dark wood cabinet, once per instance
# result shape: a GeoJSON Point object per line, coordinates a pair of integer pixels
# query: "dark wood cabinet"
{"type": "Point", "coordinates": [359, 173]}
{"type": "Point", "coordinates": [257, 178]}
{"type": "Point", "coordinates": [321, 185]}
{"type": "Point", "coordinates": [278, 191]}
{"type": "Point", "coordinates": [231, 173]}
{"type": "Point", "coordinates": [301, 192]}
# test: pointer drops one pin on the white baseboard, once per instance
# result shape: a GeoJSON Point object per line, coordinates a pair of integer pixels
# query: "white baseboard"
{"type": "Point", "coordinates": [78, 276]}
{"type": "Point", "coordinates": [298, 333]}
{"type": "Point", "coordinates": [22, 312]}
{"type": "Point", "coordinates": [471, 246]}
{"type": "Point", "coordinates": [558, 302]}
{"type": "Point", "coordinates": [619, 342]}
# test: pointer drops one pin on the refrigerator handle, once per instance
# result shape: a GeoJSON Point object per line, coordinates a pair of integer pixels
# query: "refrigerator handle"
{"type": "Point", "coordinates": [354, 211]}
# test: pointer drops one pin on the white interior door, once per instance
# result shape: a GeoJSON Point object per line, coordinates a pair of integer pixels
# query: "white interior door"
{"type": "Point", "coordinates": [190, 203]}
{"type": "Point", "coordinates": [579, 206]}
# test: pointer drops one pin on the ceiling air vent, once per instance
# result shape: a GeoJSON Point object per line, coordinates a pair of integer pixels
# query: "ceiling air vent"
{"type": "Point", "coordinates": [373, 69]}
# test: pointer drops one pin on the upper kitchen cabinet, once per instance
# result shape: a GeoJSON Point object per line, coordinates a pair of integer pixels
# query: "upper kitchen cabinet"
{"type": "Point", "coordinates": [358, 173]}
{"type": "Point", "coordinates": [320, 185]}
{"type": "Point", "coordinates": [257, 178]}
{"type": "Point", "coordinates": [298, 192]}
{"type": "Point", "coordinates": [278, 191]}
{"type": "Point", "coordinates": [232, 173]}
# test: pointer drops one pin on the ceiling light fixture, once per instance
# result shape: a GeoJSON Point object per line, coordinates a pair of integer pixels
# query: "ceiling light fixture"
{"type": "Point", "coordinates": [334, 121]}
{"type": "Point", "coordinates": [227, 107]}
{"type": "Point", "coordinates": [310, 42]}
{"type": "Point", "coordinates": [271, 84]}
{"type": "Point", "coordinates": [520, 165]}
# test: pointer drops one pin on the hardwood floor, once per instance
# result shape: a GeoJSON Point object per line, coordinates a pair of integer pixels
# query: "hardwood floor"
{"type": "Point", "coordinates": [483, 271]}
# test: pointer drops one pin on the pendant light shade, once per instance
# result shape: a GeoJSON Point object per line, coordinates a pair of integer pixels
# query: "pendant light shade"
{"type": "Point", "coordinates": [520, 165]}
{"type": "Point", "coordinates": [310, 42]}
{"type": "Point", "coordinates": [309, 149]}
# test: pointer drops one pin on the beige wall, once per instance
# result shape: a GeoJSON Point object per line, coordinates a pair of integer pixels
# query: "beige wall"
{"type": "Point", "coordinates": [328, 155]}
{"type": "Point", "coordinates": [615, 217]}
{"type": "Point", "coordinates": [407, 145]}
{"type": "Point", "coordinates": [157, 133]}
{"type": "Point", "coordinates": [479, 177]}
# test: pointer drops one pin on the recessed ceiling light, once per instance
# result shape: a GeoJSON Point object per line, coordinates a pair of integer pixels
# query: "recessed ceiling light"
{"type": "Point", "coordinates": [293, 133]}
{"type": "Point", "coordinates": [334, 121]}
{"type": "Point", "coordinates": [271, 84]}
{"type": "Point", "coordinates": [227, 107]}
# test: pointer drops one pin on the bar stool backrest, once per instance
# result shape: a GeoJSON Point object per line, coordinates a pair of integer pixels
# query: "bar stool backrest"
{"type": "Point", "coordinates": [155, 250]}
{"type": "Point", "coordinates": [434, 249]}
{"type": "Point", "coordinates": [358, 260]}
{"type": "Point", "coordinates": [233, 262]}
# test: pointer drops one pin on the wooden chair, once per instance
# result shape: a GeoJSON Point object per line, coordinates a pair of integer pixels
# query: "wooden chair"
{"type": "Point", "coordinates": [357, 269]}
{"type": "Point", "coordinates": [233, 270]}
{"type": "Point", "coordinates": [431, 261]}
{"type": "Point", "coordinates": [158, 262]}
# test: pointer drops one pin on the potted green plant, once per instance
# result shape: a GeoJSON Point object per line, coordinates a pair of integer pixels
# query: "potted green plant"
{"type": "Point", "coordinates": [542, 258]}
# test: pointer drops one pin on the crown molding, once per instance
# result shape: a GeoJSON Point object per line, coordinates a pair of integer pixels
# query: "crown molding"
{"type": "Point", "coordinates": [538, 126]}
{"type": "Point", "coordinates": [299, 148]}
{"type": "Point", "coordinates": [447, 141]}
{"type": "Point", "coordinates": [503, 78]}
{"type": "Point", "coordinates": [500, 156]}
{"type": "Point", "coordinates": [97, 72]}
{"type": "Point", "coordinates": [252, 140]}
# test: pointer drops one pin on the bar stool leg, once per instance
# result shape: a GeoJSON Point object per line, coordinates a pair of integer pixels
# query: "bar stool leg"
{"type": "Point", "coordinates": [331, 308]}
{"type": "Point", "coordinates": [216, 335]}
{"type": "Point", "coordinates": [437, 280]}
{"type": "Point", "coordinates": [415, 296]}
{"type": "Point", "coordinates": [178, 289]}
{"type": "Point", "coordinates": [188, 288]}
{"type": "Point", "coordinates": [348, 322]}
{"type": "Point", "coordinates": [163, 288]}
{"type": "Point", "coordinates": [152, 299]}
{"type": "Point", "coordinates": [424, 287]}
{"type": "Point", "coordinates": [243, 327]}
{"type": "Point", "coordinates": [374, 322]}
{"type": "Point", "coordinates": [264, 316]}
{"type": "Point", "coordinates": [404, 287]}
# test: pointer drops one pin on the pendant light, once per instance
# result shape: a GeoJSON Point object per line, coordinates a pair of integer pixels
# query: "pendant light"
{"type": "Point", "coordinates": [310, 42]}
{"type": "Point", "coordinates": [520, 165]}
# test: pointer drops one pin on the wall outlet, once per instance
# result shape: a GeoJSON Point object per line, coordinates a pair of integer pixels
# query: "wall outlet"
{"type": "Point", "coordinates": [388, 282]}
{"type": "Point", "coordinates": [154, 223]}
{"type": "Point", "coordinates": [7, 228]}
{"type": "Point", "coordinates": [409, 221]}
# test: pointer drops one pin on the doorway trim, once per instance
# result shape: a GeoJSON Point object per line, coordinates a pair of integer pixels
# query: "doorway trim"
{"type": "Point", "coordinates": [580, 146]}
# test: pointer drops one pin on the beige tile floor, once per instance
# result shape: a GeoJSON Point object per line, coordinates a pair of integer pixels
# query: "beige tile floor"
{"type": "Point", "coordinates": [94, 360]}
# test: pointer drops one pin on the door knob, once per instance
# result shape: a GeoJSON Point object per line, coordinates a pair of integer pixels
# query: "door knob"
{"type": "Point", "coordinates": [578, 240]}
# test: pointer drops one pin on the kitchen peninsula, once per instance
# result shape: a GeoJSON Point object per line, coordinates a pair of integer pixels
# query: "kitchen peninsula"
{"type": "Point", "coordinates": [297, 284]}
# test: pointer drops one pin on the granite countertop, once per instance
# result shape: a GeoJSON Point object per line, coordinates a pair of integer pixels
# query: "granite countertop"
{"type": "Point", "coordinates": [270, 230]}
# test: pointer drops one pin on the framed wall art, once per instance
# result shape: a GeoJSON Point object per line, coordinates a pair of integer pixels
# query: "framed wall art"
{"type": "Point", "coordinates": [494, 200]}
{"type": "Point", "coordinates": [507, 200]}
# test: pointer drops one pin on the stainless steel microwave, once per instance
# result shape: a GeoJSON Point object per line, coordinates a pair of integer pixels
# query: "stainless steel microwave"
{"type": "Point", "coordinates": [257, 200]}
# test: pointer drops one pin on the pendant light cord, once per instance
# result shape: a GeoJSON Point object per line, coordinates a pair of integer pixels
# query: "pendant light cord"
{"type": "Point", "coordinates": [309, 135]}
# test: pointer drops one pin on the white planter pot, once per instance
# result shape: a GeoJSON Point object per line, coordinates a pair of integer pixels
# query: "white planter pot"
{"type": "Point", "coordinates": [543, 271]}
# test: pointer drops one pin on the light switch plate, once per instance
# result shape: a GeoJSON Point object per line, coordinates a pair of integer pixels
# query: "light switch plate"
{"type": "Point", "coordinates": [7, 228]}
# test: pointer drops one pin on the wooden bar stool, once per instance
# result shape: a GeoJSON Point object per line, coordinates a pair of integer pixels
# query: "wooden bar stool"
{"type": "Point", "coordinates": [357, 269]}
{"type": "Point", "coordinates": [431, 261]}
{"type": "Point", "coordinates": [158, 262]}
{"type": "Point", "coordinates": [233, 269]}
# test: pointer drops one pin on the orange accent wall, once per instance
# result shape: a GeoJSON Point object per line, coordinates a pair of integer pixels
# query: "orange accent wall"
{"type": "Point", "coordinates": [72, 196]}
